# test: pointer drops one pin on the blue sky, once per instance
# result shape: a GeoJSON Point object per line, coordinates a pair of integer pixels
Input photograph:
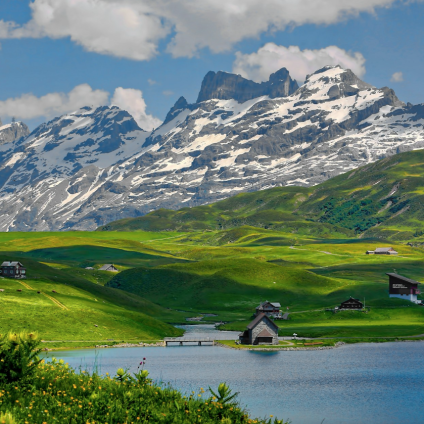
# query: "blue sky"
{"type": "Point", "coordinates": [46, 60]}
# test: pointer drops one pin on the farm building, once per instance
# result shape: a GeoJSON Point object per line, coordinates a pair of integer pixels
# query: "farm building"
{"type": "Point", "coordinates": [108, 267]}
{"type": "Point", "coordinates": [403, 288]}
{"type": "Point", "coordinates": [260, 331]}
{"type": "Point", "coordinates": [351, 304]}
{"type": "Point", "coordinates": [13, 269]}
{"type": "Point", "coordinates": [268, 308]}
{"type": "Point", "coordinates": [382, 251]}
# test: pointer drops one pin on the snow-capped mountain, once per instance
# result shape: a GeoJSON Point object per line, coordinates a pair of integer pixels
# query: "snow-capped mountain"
{"type": "Point", "coordinates": [90, 167]}
{"type": "Point", "coordinates": [12, 132]}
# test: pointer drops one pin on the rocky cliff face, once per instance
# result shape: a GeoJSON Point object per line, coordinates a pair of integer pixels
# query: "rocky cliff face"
{"type": "Point", "coordinates": [225, 86]}
{"type": "Point", "coordinates": [88, 168]}
{"type": "Point", "coordinates": [15, 131]}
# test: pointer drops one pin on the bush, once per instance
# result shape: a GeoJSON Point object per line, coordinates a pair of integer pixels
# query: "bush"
{"type": "Point", "coordinates": [18, 356]}
{"type": "Point", "coordinates": [58, 394]}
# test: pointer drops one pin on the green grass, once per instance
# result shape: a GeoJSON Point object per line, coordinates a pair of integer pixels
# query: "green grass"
{"type": "Point", "coordinates": [91, 312]}
{"type": "Point", "coordinates": [302, 247]}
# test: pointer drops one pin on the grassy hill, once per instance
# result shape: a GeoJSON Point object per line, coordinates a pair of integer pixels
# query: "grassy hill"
{"type": "Point", "coordinates": [66, 302]}
{"type": "Point", "coordinates": [384, 200]}
{"type": "Point", "coordinates": [302, 247]}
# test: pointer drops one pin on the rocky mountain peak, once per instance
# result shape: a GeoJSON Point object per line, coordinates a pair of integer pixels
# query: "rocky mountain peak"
{"type": "Point", "coordinates": [13, 132]}
{"type": "Point", "coordinates": [227, 86]}
{"type": "Point", "coordinates": [179, 105]}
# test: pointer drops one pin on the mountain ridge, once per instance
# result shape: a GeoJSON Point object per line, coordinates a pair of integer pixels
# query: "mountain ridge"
{"type": "Point", "coordinates": [93, 166]}
{"type": "Point", "coordinates": [380, 200]}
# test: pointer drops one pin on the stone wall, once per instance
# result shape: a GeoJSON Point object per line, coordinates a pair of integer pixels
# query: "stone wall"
{"type": "Point", "coordinates": [262, 325]}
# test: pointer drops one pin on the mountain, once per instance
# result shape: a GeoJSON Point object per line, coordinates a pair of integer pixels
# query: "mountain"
{"type": "Point", "coordinates": [13, 132]}
{"type": "Point", "coordinates": [94, 166]}
{"type": "Point", "coordinates": [381, 200]}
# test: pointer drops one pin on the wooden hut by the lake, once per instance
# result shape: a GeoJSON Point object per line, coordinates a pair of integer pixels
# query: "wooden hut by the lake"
{"type": "Point", "coordinates": [262, 330]}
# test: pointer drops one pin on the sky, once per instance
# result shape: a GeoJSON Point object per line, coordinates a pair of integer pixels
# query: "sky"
{"type": "Point", "coordinates": [142, 55]}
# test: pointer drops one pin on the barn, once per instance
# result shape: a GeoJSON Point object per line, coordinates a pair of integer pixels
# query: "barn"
{"type": "Point", "coordinates": [109, 267]}
{"type": "Point", "coordinates": [268, 308]}
{"type": "Point", "coordinates": [13, 269]}
{"type": "Point", "coordinates": [382, 251]}
{"type": "Point", "coordinates": [403, 288]}
{"type": "Point", "coordinates": [351, 304]}
{"type": "Point", "coordinates": [260, 331]}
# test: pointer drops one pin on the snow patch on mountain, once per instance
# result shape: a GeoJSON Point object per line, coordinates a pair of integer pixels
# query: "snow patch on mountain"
{"type": "Point", "coordinates": [93, 166]}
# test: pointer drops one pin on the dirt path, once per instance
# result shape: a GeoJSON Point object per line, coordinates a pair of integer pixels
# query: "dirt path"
{"type": "Point", "coordinates": [55, 301]}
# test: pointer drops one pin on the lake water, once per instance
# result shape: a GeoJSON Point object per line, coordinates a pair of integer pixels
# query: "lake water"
{"type": "Point", "coordinates": [361, 383]}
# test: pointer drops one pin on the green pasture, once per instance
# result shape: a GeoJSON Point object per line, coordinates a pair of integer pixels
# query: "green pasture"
{"type": "Point", "coordinates": [166, 277]}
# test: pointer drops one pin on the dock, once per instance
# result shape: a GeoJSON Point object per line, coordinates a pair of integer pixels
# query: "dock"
{"type": "Point", "coordinates": [182, 340]}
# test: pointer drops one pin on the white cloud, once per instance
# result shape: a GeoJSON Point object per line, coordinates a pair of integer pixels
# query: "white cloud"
{"type": "Point", "coordinates": [132, 101]}
{"type": "Point", "coordinates": [270, 58]}
{"type": "Point", "coordinates": [50, 105]}
{"type": "Point", "coordinates": [167, 92]}
{"type": "Point", "coordinates": [29, 106]}
{"type": "Point", "coordinates": [397, 77]}
{"type": "Point", "coordinates": [133, 28]}
{"type": "Point", "coordinates": [151, 81]}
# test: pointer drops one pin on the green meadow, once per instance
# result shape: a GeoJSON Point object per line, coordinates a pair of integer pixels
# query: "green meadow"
{"type": "Point", "coordinates": [163, 280]}
{"type": "Point", "coordinates": [302, 247]}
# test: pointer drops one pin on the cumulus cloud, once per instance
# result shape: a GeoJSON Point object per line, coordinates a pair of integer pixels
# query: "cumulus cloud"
{"type": "Point", "coordinates": [397, 77]}
{"type": "Point", "coordinates": [50, 105]}
{"type": "Point", "coordinates": [271, 57]}
{"type": "Point", "coordinates": [133, 28]}
{"type": "Point", "coordinates": [29, 106]}
{"type": "Point", "coordinates": [132, 101]}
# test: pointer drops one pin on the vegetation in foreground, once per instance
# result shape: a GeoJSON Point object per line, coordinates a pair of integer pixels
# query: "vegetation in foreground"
{"type": "Point", "coordinates": [40, 392]}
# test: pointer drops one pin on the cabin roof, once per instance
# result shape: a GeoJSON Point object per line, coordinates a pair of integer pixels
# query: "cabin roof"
{"type": "Point", "coordinates": [401, 277]}
{"type": "Point", "coordinates": [106, 266]}
{"type": "Point", "coordinates": [259, 318]}
{"type": "Point", "coordinates": [352, 298]}
{"type": "Point", "coordinates": [11, 263]}
{"type": "Point", "coordinates": [383, 249]}
{"type": "Point", "coordinates": [275, 304]}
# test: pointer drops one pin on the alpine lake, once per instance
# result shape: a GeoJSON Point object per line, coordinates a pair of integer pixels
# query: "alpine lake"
{"type": "Point", "coordinates": [379, 383]}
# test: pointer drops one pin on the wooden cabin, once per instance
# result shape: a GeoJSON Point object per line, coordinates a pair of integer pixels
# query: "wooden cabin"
{"type": "Point", "coordinates": [260, 331]}
{"type": "Point", "coordinates": [108, 267]}
{"type": "Point", "coordinates": [351, 304]}
{"type": "Point", "coordinates": [403, 288]}
{"type": "Point", "coordinates": [382, 251]}
{"type": "Point", "coordinates": [268, 308]}
{"type": "Point", "coordinates": [13, 269]}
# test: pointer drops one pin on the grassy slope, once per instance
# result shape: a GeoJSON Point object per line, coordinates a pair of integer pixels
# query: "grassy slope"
{"type": "Point", "coordinates": [383, 200]}
{"type": "Point", "coordinates": [117, 314]}
{"type": "Point", "coordinates": [225, 272]}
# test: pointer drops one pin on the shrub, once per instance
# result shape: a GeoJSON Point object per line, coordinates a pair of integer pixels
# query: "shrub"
{"type": "Point", "coordinates": [59, 394]}
{"type": "Point", "coordinates": [18, 356]}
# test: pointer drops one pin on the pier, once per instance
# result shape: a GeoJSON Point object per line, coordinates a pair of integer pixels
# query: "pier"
{"type": "Point", "coordinates": [180, 341]}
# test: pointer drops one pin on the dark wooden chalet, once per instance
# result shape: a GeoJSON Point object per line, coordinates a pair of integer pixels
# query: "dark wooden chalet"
{"type": "Point", "coordinates": [268, 308]}
{"type": "Point", "coordinates": [260, 331]}
{"type": "Point", "coordinates": [108, 267]}
{"type": "Point", "coordinates": [13, 269]}
{"type": "Point", "coordinates": [403, 288]}
{"type": "Point", "coordinates": [351, 304]}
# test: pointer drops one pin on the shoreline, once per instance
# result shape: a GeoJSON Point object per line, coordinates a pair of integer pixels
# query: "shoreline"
{"type": "Point", "coordinates": [221, 345]}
